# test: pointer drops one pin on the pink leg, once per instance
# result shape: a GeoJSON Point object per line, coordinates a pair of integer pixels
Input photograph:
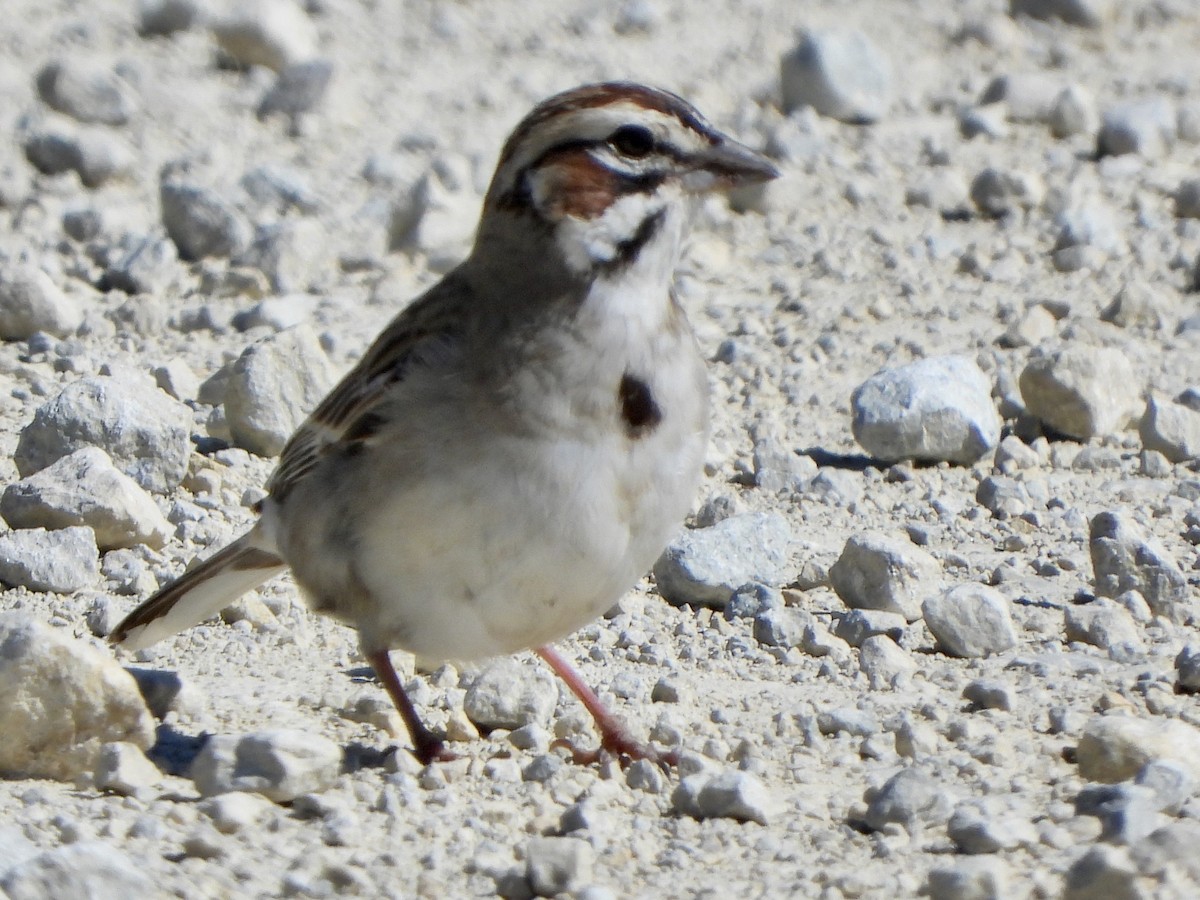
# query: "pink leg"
{"type": "Point", "coordinates": [614, 736]}
{"type": "Point", "coordinates": [427, 746]}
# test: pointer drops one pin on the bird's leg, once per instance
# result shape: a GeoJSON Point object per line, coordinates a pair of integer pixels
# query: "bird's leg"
{"type": "Point", "coordinates": [614, 736]}
{"type": "Point", "coordinates": [427, 746]}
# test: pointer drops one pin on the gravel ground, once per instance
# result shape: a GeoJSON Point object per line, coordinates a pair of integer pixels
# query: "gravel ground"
{"type": "Point", "coordinates": [954, 657]}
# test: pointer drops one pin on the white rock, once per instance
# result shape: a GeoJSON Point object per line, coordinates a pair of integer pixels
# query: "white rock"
{"type": "Point", "coordinates": [1027, 96]}
{"type": "Point", "coordinates": [61, 561]}
{"type": "Point", "coordinates": [89, 870]}
{"type": "Point", "coordinates": [875, 571]}
{"type": "Point", "coordinates": [556, 866]}
{"type": "Point", "coordinates": [936, 409]}
{"type": "Point", "coordinates": [910, 798]}
{"type": "Point", "coordinates": [85, 488]}
{"type": "Point", "coordinates": [281, 765]}
{"type": "Point", "coordinates": [1144, 127]}
{"type": "Point", "coordinates": [1140, 303]}
{"type": "Point", "coordinates": [145, 432]}
{"type": "Point", "coordinates": [1124, 559]}
{"type": "Point", "coordinates": [273, 386]}
{"type": "Point", "coordinates": [974, 878]}
{"type": "Point", "coordinates": [271, 33]}
{"type": "Point", "coordinates": [293, 253]}
{"type": "Point", "coordinates": [885, 663]}
{"type": "Point", "coordinates": [704, 566]}
{"type": "Point", "coordinates": [840, 73]}
{"type": "Point", "coordinates": [176, 378]}
{"type": "Point", "coordinates": [1114, 748]}
{"type": "Point", "coordinates": [437, 214]}
{"type": "Point", "coordinates": [30, 301]}
{"type": "Point", "coordinates": [1081, 392]}
{"type": "Point", "coordinates": [507, 694]}
{"type": "Point", "coordinates": [236, 811]}
{"type": "Point", "coordinates": [124, 769]}
{"type": "Point", "coordinates": [85, 91]}
{"type": "Point", "coordinates": [726, 795]}
{"type": "Point", "coordinates": [1171, 428]}
{"type": "Point", "coordinates": [1103, 624]}
{"type": "Point", "coordinates": [63, 700]}
{"type": "Point", "coordinates": [200, 221]}
{"type": "Point", "coordinates": [1073, 112]}
{"type": "Point", "coordinates": [970, 620]}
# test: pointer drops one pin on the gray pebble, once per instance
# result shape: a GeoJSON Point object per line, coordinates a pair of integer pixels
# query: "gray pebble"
{"type": "Point", "coordinates": [1104, 624]}
{"type": "Point", "coordinates": [163, 17]}
{"type": "Point", "coordinates": [1170, 428]}
{"type": "Point", "coordinates": [983, 826]}
{"type": "Point", "coordinates": [558, 865]}
{"type": "Point", "coordinates": [987, 693]}
{"type": "Point", "coordinates": [751, 600]}
{"type": "Point", "coordinates": [145, 432]}
{"type": "Point", "coordinates": [146, 264]}
{"type": "Point", "coordinates": [875, 571]}
{"type": "Point", "coordinates": [1124, 559]}
{"type": "Point", "coordinates": [1140, 304]}
{"type": "Point", "coordinates": [1145, 127]}
{"type": "Point", "coordinates": [96, 156]}
{"type": "Point", "coordinates": [704, 566]}
{"type": "Point", "coordinates": [728, 795]}
{"type": "Point", "coordinates": [1082, 392]}
{"type": "Point", "coordinates": [840, 73]}
{"type": "Point", "coordinates": [1103, 871]}
{"type": "Point", "coordinates": [273, 386]}
{"type": "Point", "coordinates": [1187, 668]}
{"type": "Point", "coordinates": [293, 254]}
{"type": "Point", "coordinates": [935, 409]}
{"type": "Point", "coordinates": [1085, 13]}
{"type": "Point", "coordinates": [997, 192]}
{"type": "Point", "coordinates": [507, 694]}
{"type": "Point", "coordinates": [200, 221]}
{"type": "Point", "coordinates": [281, 765]}
{"type": "Point", "coordinates": [781, 626]}
{"type": "Point", "coordinates": [1172, 783]}
{"type": "Point", "coordinates": [30, 302]}
{"type": "Point", "coordinates": [297, 90]}
{"type": "Point", "coordinates": [970, 620]}
{"type": "Point", "coordinates": [975, 878]}
{"type": "Point", "coordinates": [85, 91]}
{"type": "Point", "coordinates": [1127, 812]}
{"type": "Point", "coordinates": [847, 720]}
{"type": "Point", "coordinates": [1073, 112]}
{"type": "Point", "coordinates": [61, 561]}
{"type": "Point", "coordinates": [885, 663]}
{"type": "Point", "coordinates": [910, 798]}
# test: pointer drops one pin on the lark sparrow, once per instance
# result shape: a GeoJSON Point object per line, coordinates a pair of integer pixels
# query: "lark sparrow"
{"type": "Point", "coordinates": [518, 445]}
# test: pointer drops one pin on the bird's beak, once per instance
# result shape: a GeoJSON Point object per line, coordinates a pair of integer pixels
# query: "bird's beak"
{"type": "Point", "coordinates": [728, 164]}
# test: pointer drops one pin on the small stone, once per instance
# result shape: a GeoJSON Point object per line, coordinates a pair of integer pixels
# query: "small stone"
{"type": "Point", "coordinates": [987, 121]}
{"type": "Point", "coordinates": [847, 720]}
{"type": "Point", "coordinates": [840, 73]}
{"type": "Point", "coordinates": [1145, 127]}
{"type": "Point", "coordinates": [1073, 112]}
{"type": "Point", "coordinates": [1173, 784]}
{"type": "Point", "coordinates": [1004, 498]}
{"type": "Point", "coordinates": [986, 693]}
{"type": "Point", "coordinates": [164, 691]}
{"type": "Point", "coordinates": [1171, 428]}
{"type": "Point", "coordinates": [983, 826]}
{"type": "Point", "coordinates": [1127, 812]}
{"type": "Point", "coordinates": [271, 33]}
{"type": "Point", "coordinates": [1187, 199]}
{"type": "Point", "coordinates": [85, 91]}
{"type": "Point", "coordinates": [200, 221]}
{"type": "Point", "coordinates": [274, 384]}
{"type": "Point", "coordinates": [751, 600]}
{"type": "Point", "coordinates": [876, 571]}
{"type": "Point", "coordinates": [63, 700]}
{"type": "Point", "coordinates": [885, 663]}
{"type": "Point", "coordinates": [510, 695]}
{"type": "Point", "coordinates": [975, 878]}
{"type": "Point", "coordinates": [1139, 304]}
{"type": "Point", "coordinates": [1103, 871]}
{"type": "Point", "coordinates": [85, 488]}
{"type": "Point", "coordinates": [280, 189]}
{"type": "Point", "coordinates": [145, 432]}
{"type": "Point", "coordinates": [781, 626]}
{"type": "Point", "coordinates": [997, 193]}
{"type": "Point", "coordinates": [910, 798]}
{"type": "Point", "coordinates": [176, 378]}
{"type": "Point", "coordinates": [124, 769]}
{"type": "Point", "coordinates": [727, 795]}
{"type": "Point", "coordinates": [704, 566]}
{"type": "Point", "coordinates": [1032, 327]}
{"type": "Point", "coordinates": [970, 620]}
{"type": "Point", "coordinates": [1013, 454]}
{"type": "Point", "coordinates": [293, 253]}
{"type": "Point", "coordinates": [236, 811]}
{"type": "Point", "coordinates": [1187, 668]}
{"type": "Point", "coordinates": [98, 156]}
{"type": "Point", "coordinates": [281, 765]}
{"type": "Point", "coordinates": [856, 626]}
{"type": "Point", "coordinates": [163, 17]}
{"type": "Point", "coordinates": [1027, 96]}
{"type": "Point", "coordinates": [1103, 624]}
{"type": "Point", "coordinates": [60, 562]}
{"type": "Point", "coordinates": [1084, 13]}
{"type": "Point", "coordinates": [147, 264]}
{"type": "Point", "coordinates": [1081, 392]}
{"type": "Point", "coordinates": [30, 302]}
{"type": "Point", "coordinates": [558, 865]}
{"type": "Point", "coordinates": [1115, 747]}
{"type": "Point", "coordinates": [80, 870]}
{"type": "Point", "coordinates": [1123, 559]}
{"type": "Point", "coordinates": [935, 409]}
{"type": "Point", "coordinates": [298, 89]}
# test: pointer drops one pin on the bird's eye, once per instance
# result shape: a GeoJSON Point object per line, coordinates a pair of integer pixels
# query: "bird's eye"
{"type": "Point", "coordinates": [633, 141]}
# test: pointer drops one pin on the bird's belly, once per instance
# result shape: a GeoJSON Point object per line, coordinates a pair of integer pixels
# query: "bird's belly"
{"type": "Point", "coordinates": [515, 544]}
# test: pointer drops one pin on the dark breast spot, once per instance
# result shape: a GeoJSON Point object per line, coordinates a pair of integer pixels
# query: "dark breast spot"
{"type": "Point", "coordinates": [639, 412]}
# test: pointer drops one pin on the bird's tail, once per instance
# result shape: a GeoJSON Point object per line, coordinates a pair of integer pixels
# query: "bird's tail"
{"type": "Point", "coordinates": [198, 593]}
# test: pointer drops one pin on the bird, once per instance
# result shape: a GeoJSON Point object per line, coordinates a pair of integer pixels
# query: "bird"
{"type": "Point", "coordinates": [518, 445]}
